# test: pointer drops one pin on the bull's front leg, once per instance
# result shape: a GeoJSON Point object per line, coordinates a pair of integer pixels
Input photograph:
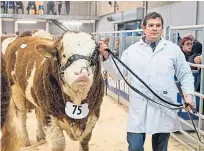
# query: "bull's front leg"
{"type": "Point", "coordinates": [84, 143]}
{"type": "Point", "coordinates": [55, 136]}
{"type": "Point", "coordinates": [40, 133]}
{"type": "Point", "coordinates": [20, 104]}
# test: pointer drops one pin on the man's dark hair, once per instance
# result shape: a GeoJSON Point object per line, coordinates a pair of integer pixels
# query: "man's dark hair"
{"type": "Point", "coordinates": [152, 15]}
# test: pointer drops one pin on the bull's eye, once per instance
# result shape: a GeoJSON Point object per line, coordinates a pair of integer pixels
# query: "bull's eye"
{"type": "Point", "coordinates": [63, 56]}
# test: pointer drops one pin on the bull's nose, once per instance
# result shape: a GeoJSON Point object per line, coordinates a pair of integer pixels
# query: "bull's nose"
{"type": "Point", "coordinates": [82, 77]}
{"type": "Point", "coordinates": [82, 74]}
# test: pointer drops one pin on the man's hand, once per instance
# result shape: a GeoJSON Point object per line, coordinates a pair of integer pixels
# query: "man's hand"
{"type": "Point", "coordinates": [189, 99]}
{"type": "Point", "coordinates": [103, 46]}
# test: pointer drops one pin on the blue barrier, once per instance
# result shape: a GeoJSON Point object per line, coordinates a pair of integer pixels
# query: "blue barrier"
{"type": "Point", "coordinates": [127, 34]}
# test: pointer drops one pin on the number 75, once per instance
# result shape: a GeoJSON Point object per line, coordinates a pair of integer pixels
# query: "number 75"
{"type": "Point", "coordinates": [77, 108]}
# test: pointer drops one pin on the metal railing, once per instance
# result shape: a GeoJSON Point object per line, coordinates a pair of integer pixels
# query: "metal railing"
{"type": "Point", "coordinates": [172, 33]}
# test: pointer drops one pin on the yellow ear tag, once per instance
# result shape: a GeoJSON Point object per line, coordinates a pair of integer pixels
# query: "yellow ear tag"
{"type": "Point", "coordinates": [48, 55]}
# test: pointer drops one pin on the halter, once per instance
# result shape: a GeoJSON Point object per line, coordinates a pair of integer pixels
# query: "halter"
{"type": "Point", "coordinates": [72, 59]}
{"type": "Point", "coordinates": [93, 59]}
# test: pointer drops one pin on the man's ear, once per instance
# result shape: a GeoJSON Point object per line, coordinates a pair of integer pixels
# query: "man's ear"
{"type": "Point", "coordinates": [143, 27]}
{"type": "Point", "coordinates": [48, 51]}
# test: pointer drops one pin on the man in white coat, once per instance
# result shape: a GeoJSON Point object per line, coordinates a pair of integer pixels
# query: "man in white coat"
{"type": "Point", "coordinates": [155, 61]}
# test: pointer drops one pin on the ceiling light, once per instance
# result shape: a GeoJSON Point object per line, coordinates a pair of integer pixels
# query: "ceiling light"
{"type": "Point", "coordinates": [26, 22]}
{"type": "Point", "coordinates": [72, 23]}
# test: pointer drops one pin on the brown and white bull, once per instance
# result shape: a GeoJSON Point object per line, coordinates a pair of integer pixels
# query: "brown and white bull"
{"type": "Point", "coordinates": [57, 78]}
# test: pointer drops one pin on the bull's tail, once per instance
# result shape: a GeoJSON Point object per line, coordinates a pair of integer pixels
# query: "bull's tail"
{"type": "Point", "coordinates": [11, 137]}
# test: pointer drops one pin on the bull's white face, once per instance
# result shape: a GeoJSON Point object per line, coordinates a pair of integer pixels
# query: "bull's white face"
{"type": "Point", "coordinates": [77, 78]}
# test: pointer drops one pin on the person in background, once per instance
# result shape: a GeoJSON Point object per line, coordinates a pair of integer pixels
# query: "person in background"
{"type": "Point", "coordinates": [3, 6]}
{"type": "Point", "coordinates": [17, 33]}
{"type": "Point", "coordinates": [178, 39]}
{"type": "Point", "coordinates": [10, 4]}
{"type": "Point", "coordinates": [186, 44]}
{"type": "Point", "coordinates": [67, 6]}
{"type": "Point", "coordinates": [197, 59]}
{"type": "Point", "coordinates": [116, 48]}
{"type": "Point", "coordinates": [105, 78]}
{"type": "Point", "coordinates": [19, 5]}
{"type": "Point", "coordinates": [31, 6]}
{"type": "Point", "coordinates": [156, 61]}
{"type": "Point", "coordinates": [197, 46]}
{"type": "Point", "coordinates": [59, 7]}
{"type": "Point", "coordinates": [50, 7]}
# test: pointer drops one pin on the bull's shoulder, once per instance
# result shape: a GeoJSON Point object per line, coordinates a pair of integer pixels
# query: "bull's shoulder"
{"type": "Point", "coordinates": [31, 41]}
{"type": "Point", "coordinates": [26, 44]}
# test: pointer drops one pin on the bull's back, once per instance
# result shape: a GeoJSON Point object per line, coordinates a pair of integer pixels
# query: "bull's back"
{"type": "Point", "coordinates": [22, 57]}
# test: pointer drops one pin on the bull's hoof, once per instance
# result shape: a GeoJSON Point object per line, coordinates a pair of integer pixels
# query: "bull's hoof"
{"type": "Point", "coordinates": [39, 138]}
{"type": "Point", "coordinates": [84, 148]}
{"type": "Point", "coordinates": [40, 135]}
{"type": "Point", "coordinates": [26, 143]}
{"type": "Point", "coordinates": [57, 149]}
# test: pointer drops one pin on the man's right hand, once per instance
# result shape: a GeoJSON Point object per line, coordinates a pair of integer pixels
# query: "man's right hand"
{"type": "Point", "coordinates": [102, 49]}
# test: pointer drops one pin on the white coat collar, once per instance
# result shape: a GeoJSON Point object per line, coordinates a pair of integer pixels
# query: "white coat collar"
{"type": "Point", "coordinates": [162, 43]}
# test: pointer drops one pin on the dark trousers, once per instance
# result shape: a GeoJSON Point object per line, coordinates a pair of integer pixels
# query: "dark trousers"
{"type": "Point", "coordinates": [59, 8]}
{"type": "Point", "coordinates": [7, 7]}
{"type": "Point", "coordinates": [136, 141]}
{"type": "Point", "coordinates": [21, 7]}
{"type": "Point", "coordinates": [67, 5]}
{"type": "Point", "coordinates": [50, 9]}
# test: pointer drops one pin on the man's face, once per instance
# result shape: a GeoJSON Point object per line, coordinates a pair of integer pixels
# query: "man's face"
{"type": "Point", "coordinates": [153, 30]}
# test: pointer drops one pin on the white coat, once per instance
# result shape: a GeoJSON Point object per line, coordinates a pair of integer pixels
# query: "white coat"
{"type": "Point", "coordinates": [157, 69]}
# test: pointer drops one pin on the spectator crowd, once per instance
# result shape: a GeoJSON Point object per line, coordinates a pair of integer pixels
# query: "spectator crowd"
{"type": "Point", "coordinates": [36, 7]}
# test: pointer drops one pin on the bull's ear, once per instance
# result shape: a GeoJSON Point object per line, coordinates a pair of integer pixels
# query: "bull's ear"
{"type": "Point", "coordinates": [106, 41]}
{"type": "Point", "coordinates": [58, 44]}
{"type": "Point", "coordinates": [48, 51]}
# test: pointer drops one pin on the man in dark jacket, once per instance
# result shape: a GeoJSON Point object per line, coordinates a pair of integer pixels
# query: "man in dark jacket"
{"type": "Point", "coordinates": [59, 7]}
{"type": "Point", "coordinates": [19, 5]}
{"type": "Point", "coordinates": [67, 6]}
{"type": "Point", "coordinates": [50, 7]}
{"type": "Point", "coordinates": [31, 5]}
{"type": "Point", "coordinates": [196, 58]}
{"type": "Point", "coordinates": [10, 5]}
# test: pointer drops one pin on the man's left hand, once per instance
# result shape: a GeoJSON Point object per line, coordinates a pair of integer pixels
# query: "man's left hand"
{"type": "Point", "coordinates": [189, 99]}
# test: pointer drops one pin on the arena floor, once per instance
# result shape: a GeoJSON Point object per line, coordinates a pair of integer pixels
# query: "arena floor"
{"type": "Point", "coordinates": [108, 135]}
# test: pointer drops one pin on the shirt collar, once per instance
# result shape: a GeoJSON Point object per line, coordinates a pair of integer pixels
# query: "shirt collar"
{"type": "Point", "coordinates": [143, 42]}
{"type": "Point", "coordinates": [148, 41]}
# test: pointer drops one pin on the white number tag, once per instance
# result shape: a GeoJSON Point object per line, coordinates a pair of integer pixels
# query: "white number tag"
{"type": "Point", "coordinates": [76, 111]}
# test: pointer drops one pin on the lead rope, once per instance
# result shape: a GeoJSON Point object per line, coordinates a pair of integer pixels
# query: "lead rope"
{"type": "Point", "coordinates": [178, 84]}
